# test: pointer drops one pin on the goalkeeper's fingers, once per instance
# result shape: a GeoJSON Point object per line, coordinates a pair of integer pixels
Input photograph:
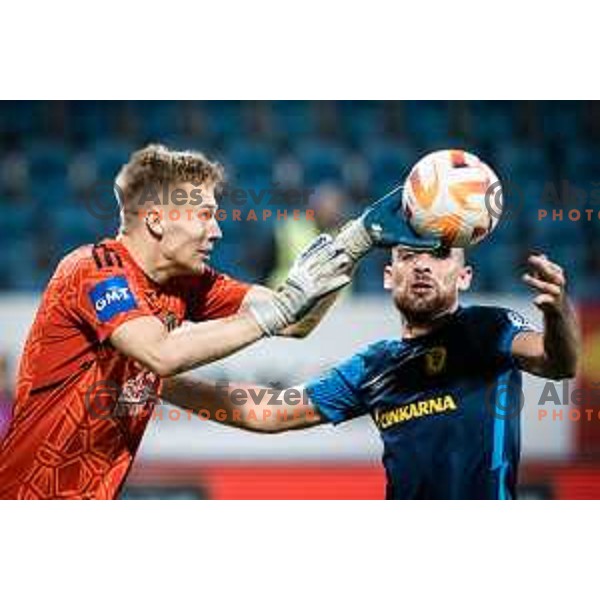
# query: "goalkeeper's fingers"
{"type": "Point", "coordinates": [388, 226]}
{"type": "Point", "coordinates": [334, 274]}
{"type": "Point", "coordinates": [320, 244]}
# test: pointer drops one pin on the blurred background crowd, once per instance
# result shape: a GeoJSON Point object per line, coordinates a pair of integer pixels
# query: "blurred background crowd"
{"type": "Point", "coordinates": [57, 157]}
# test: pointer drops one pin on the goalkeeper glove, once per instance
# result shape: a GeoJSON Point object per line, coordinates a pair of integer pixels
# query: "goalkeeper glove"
{"type": "Point", "coordinates": [381, 225]}
{"type": "Point", "coordinates": [319, 270]}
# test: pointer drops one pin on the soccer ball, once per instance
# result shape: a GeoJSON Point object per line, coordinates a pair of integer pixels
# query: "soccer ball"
{"type": "Point", "coordinates": [453, 196]}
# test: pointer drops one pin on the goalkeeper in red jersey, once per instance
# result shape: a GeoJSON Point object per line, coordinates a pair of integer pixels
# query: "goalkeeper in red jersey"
{"type": "Point", "coordinates": [108, 327]}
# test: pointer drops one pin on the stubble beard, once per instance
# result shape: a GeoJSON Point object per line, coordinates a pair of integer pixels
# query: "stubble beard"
{"type": "Point", "coordinates": [422, 307]}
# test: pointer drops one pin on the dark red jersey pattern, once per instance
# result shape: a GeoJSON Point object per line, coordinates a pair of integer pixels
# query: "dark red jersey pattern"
{"type": "Point", "coordinates": [82, 407]}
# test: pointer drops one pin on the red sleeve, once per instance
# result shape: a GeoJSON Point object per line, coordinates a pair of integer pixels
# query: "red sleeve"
{"type": "Point", "coordinates": [105, 297]}
{"type": "Point", "coordinates": [214, 296]}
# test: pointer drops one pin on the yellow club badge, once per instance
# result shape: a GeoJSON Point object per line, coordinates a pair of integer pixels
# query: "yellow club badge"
{"type": "Point", "coordinates": [435, 360]}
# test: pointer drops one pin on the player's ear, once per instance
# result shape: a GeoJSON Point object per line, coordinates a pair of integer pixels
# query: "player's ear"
{"type": "Point", "coordinates": [387, 278]}
{"type": "Point", "coordinates": [464, 278]}
{"type": "Point", "coordinates": [154, 223]}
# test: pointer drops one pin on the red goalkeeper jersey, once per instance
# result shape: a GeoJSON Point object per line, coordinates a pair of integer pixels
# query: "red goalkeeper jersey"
{"type": "Point", "coordinates": [81, 406]}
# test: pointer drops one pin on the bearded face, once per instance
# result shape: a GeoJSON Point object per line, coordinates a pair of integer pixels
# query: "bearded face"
{"type": "Point", "coordinates": [425, 285]}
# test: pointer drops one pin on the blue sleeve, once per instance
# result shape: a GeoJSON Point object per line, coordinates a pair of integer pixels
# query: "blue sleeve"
{"type": "Point", "coordinates": [511, 323]}
{"type": "Point", "coordinates": [337, 393]}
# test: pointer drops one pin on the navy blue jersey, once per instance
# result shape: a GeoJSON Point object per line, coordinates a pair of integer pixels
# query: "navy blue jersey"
{"type": "Point", "coordinates": [446, 405]}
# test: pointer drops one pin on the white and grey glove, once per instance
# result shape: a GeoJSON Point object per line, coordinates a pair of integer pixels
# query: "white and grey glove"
{"type": "Point", "coordinates": [320, 269]}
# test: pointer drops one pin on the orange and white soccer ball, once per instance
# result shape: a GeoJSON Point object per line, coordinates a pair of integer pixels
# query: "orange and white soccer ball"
{"type": "Point", "coordinates": [454, 196]}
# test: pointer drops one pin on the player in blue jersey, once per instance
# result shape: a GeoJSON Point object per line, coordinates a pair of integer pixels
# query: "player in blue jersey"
{"type": "Point", "coordinates": [445, 395]}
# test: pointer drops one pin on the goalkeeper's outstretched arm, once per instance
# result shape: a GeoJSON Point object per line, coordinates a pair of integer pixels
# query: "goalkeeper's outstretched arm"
{"type": "Point", "coordinates": [255, 408]}
{"type": "Point", "coordinates": [320, 270]}
{"type": "Point", "coordinates": [167, 353]}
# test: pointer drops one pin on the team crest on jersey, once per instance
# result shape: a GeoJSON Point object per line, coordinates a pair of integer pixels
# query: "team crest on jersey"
{"type": "Point", "coordinates": [112, 297]}
{"type": "Point", "coordinates": [138, 394]}
{"type": "Point", "coordinates": [435, 360]}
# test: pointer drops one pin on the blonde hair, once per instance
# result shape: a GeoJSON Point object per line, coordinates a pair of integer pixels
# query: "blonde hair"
{"type": "Point", "coordinates": [153, 166]}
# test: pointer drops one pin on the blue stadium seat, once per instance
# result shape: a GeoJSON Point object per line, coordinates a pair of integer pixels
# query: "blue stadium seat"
{"type": "Point", "coordinates": [492, 121]}
{"type": "Point", "coordinates": [497, 266]}
{"type": "Point", "coordinates": [579, 186]}
{"type": "Point", "coordinates": [229, 257]}
{"type": "Point", "coordinates": [547, 230]}
{"type": "Point", "coordinates": [73, 226]}
{"type": "Point", "coordinates": [22, 118]}
{"type": "Point", "coordinates": [389, 163]}
{"type": "Point", "coordinates": [47, 160]}
{"type": "Point", "coordinates": [428, 121]}
{"type": "Point", "coordinates": [444, 142]}
{"type": "Point", "coordinates": [529, 168]}
{"type": "Point", "coordinates": [246, 193]}
{"type": "Point", "coordinates": [572, 257]}
{"type": "Point", "coordinates": [223, 118]}
{"type": "Point", "coordinates": [293, 119]}
{"type": "Point", "coordinates": [581, 162]}
{"type": "Point", "coordinates": [592, 226]}
{"type": "Point", "coordinates": [251, 159]}
{"type": "Point", "coordinates": [91, 119]}
{"type": "Point", "coordinates": [360, 121]}
{"type": "Point", "coordinates": [522, 160]}
{"type": "Point", "coordinates": [508, 230]}
{"type": "Point", "coordinates": [561, 120]}
{"type": "Point", "coordinates": [226, 253]}
{"type": "Point", "coordinates": [18, 260]}
{"type": "Point", "coordinates": [321, 162]}
{"type": "Point", "coordinates": [158, 118]}
{"type": "Point", "coordinates": [48, 163]}
{"type": "Point", "coordinates": [21, 219]}
{"type": "Point", "coordinates": [522, 202]}
{"type": "Point", "coordinates": [110, 155]}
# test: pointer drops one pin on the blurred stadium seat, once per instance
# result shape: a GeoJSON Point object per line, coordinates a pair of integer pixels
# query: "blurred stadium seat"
{"type": "Point", "coordinates": [492, 122]}
{"type": "Point", "coordinates": [321, 161]}
{"type": "Point", "coordinates": [389, 163]}
{"type": "Point", "coordinates": [427, 122]}
{"type": "Point", "coordinates": [53, 152]}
